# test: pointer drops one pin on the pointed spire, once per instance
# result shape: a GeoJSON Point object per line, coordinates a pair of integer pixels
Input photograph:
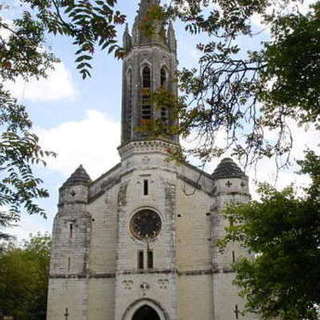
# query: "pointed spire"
{"type": "Point", "coordinates": [126, 31]}
{"type": "Point", "coordinates": [78, 177]}
{"type": "Point", "coordinates": [227, 168]}
{"type": "Point", "coordinates": [144, 5]}
{"type": "Point", "coordinates": [172, 42]}
{"type": "Point", "coordinates": [142, 37]}
{"type": "Point", "coordinates": [126, 38]}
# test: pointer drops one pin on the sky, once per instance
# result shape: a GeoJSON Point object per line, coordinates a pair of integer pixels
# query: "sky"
{"type": "Point", "coordinates": [80, 119]}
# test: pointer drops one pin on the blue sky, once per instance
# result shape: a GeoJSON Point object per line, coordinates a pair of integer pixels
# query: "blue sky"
{"type": "Point", "coordinates": [80, 119]}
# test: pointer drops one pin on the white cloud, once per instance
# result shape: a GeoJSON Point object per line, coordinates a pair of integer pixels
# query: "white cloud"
{"type": "Point", "coordinates": [92, 142]}
{"type": "Point", "coordinates": [302, 6]}
{"type": "Point", "coordinates": [266, 169]}
{"type": "Point", "coordinates": [4, 32]}
{"type": "Point", "coordinates": [29, 225]}
{"type": "Point", "coordinates": [58, 85]}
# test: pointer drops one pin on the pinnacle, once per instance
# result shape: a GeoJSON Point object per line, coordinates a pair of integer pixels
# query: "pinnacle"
{"type": "Point", "coordinates": [127, 28]}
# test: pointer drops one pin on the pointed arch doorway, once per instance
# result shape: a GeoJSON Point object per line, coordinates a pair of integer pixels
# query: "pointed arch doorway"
{"type": "Point", "coordinates": [145, 309]}
{"type": "Point", "coordinates": [145, 313]}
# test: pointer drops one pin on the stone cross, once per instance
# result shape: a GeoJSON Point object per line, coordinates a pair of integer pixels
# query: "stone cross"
{"type": "Point", "coordinates": [228, 184]}
{"type": "Point", "coordinates": [66, 314]}
{"type": "Point", "coordinates": [236, 311]}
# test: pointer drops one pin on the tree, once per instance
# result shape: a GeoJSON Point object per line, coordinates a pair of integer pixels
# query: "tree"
{"type": "Point", "coordinates": [235, 90]}
{"type": "Point", "coordinates": [24, 278]}
{"type": "Point", "coordinates": [23, 54]}
{"type": "Point", "coordinates": [240, 91]}
{"type": "Point", "coordinates": [282, 280]}
{"type": "Point", "coordinates": [246, 93]}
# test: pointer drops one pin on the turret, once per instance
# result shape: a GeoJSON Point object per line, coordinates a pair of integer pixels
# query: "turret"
{"type": "Point", "coordinates": [75, 189]}
{"type": "Point", "coordinates": [230, 179]}
{"type": "Point", "coordinates": [72, 227]}
{"type": "Point", "coordinates": [231, 186]}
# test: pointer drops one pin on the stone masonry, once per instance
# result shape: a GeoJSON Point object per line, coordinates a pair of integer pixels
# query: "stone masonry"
{"type": "Point", "coordinates": [101, 267]}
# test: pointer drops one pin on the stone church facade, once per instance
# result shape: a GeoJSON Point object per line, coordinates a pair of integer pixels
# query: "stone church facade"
{"type": "Point", "coordinates": [139, 242]}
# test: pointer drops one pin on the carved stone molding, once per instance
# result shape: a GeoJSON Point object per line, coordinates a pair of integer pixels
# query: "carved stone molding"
{"type": "Point", "coordinates": [163, 283]}
{"type": "Point", "coordinates": [146, 146]}
{"type": "Point", "coordinates": [127, 284]}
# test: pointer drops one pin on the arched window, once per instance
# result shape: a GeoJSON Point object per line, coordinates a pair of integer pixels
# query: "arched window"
{"type": "Point", "coordinates": [129, 106]}
{"type": "Point", "coordinates": [163, 77]}
{"type": "Point", "coordinates": [146, 110]}
{"type": "Point", "coordinates": [144, 313]}
{"type": "Point", "coordinates": [146, 77]}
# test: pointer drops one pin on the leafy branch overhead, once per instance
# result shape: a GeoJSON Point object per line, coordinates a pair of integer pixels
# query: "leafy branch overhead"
{"type": "Point", "coordinates": [90, 24]}
{"type": "Point", "coordinates": [249, 83]}
{"type": "Point", "coordinates": [244, 92]}
{"type": "Point", "coordinates": [19, 150]}
{"type": "Point", "coordinates": [24, 54]}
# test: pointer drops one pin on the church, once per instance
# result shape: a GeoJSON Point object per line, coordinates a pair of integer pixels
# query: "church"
{"type": "Point", "coordinates": [138, 243]}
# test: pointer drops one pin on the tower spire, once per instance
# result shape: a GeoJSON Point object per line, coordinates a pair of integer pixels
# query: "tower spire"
{"type": "Point", "coordinates": [149, 65]}
{"type": "Point", "coordinates": [144, 5]}
{"type": "Point", "coordinates": [145, 31]}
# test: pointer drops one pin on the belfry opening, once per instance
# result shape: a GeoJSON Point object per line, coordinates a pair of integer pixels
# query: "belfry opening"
{"type": "Point", "coordinates": [146, 313]}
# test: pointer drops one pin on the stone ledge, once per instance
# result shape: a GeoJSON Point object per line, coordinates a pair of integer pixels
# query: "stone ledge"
{"type": "Point", "coordinates": [142, 146]}
{"type": "Point", "coordinates": [150, 271]}
{"type": "Point", "coordinates": [83, 276]}
{"type": "Point", "coordinates": [136, 272]}
{"type": "Point", "coordinates": [195, 272]}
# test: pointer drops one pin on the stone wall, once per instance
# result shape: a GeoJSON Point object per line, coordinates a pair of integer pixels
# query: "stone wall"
{"type": "Point", "coordinates": [67, 296]}
{"type": "Point", "coordinates": [190, 278]}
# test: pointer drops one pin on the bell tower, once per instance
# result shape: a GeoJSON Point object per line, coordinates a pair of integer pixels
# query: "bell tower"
{"type": "Point", "coordinates": [149, 65]}
{"type": "Point", "coordinates": [139, 241]}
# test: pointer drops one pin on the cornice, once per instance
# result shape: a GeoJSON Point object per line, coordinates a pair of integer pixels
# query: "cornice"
{"type": "Point", "coordinates": [147, 146]}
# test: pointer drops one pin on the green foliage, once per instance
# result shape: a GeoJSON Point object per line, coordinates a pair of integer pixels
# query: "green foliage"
{"type": "Point", "coordinates": [245, 93]}
{"type": "Point", "coordinates": [23, 53]}
{"type": "Point", "coordinates": [282, 279]}
{"type": "Point", "coordinates": [89, 24]}
{"type": "Point", "coordinates": [20, 52]}
{"type": "Point", "coordinates": [153, 21]}
{"type": "Point", "coordinates": [19, 150]}
{"type": "Point", "coordinates": [293, 66]}
{"type": "Point", "coordinates": [24, 278]}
